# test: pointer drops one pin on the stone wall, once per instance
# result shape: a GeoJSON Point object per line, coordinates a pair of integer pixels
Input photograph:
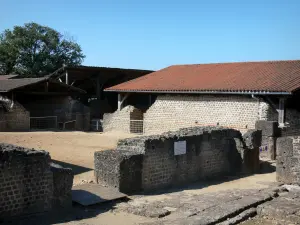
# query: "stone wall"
{"type": "Point", "coordinates": [270, 133]}
{"type": "Point", "coordinates": [62, 186]}
{"type": "Point", "coordinates": [171, 112]}
{"type": "Point", "coordinates": [288, 159]}
{"type": "Point", "coordinates": [120, 120]}
{"type": "Point", "coordinates": [18, 119]}
{"type": "Point", "coordinates": [152, 162]}
{"type": "Point", "coordinates": [27, 184]}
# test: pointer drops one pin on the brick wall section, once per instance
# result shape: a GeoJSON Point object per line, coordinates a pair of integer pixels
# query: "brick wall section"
{"type": "Point", "coordinates": [171, 112]}
{"type": "Point", "coordinates": [288, 159]}
{"type": "Point", "coordinates": [26, 181]}
{"type": "Point", "coordinates": [120, 120]}
{"type": "Point", "coordinates": [62, 186]}
{"type": "Point", "coordinates": [18, 119]}
{"type": "Point", "coordinates": [210, 152]}
{"type": "Point", "coordinates": [27, 184]}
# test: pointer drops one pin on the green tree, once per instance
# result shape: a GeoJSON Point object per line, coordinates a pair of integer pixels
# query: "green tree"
{"type": "Point", "coordinates": [33, 50]}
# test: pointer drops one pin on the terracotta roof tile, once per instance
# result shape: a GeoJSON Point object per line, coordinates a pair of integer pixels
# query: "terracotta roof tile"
{"type": "Point", "coordinates": [269, 76]}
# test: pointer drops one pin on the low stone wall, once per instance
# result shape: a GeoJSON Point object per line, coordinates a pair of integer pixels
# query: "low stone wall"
{"type": "Point", "coordinates": [270, 133]}
{"type": "Point", "coordinates": [288, 158]}
{"type": "Point", "coordinates": [62, 186]}
{"type": "Point", "coordinates": [27, 183]}
{"type": "Point", "coordinates": [122, 120]}
{"type": "Point", "coordinates": [153, 162]}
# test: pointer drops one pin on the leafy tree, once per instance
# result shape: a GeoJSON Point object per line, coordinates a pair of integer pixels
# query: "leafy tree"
{"type": "Point", "coordinates": [33, 50]}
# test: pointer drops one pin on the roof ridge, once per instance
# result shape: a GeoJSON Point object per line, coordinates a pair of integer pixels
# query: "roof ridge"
{"type": "Point", "coordinates": [237, 62]}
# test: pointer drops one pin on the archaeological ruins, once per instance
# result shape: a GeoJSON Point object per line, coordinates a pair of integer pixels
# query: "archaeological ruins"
{"type": "Point", "coordinates": [153, 162]}
{"type": "Point", "coordinates": [30, 183]}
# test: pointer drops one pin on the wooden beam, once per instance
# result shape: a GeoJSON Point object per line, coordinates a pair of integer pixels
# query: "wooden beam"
{"type": "Point", "coordinates": [47, 86]}
{"type": "Point", "coordinates": [44, 93]}
{"type": "Point", "coordinates": [121, 100]}
{"type": "Point", "coordinates": [281, 112]}
{"type": "Point", "coordinates": [67, 77]}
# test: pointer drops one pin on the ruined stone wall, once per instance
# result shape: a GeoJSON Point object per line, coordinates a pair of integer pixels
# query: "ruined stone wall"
{"type": "Point", "coordinates": [18, 119]}
{"type": "Point", "coordinates": [209, 152]}
{"type": "Point", "coordinates": [292, 117]}
{"type": "Point", "coordinates": [119, 120]}
{"type": "Point", "coordinates": [288, 159]}
{"type": "Point", "coordinates": [171, 112]}
{"type": "Point", "coordinates": [26, 182]}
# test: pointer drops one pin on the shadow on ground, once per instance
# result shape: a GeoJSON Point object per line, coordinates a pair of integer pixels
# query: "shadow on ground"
{"type": "Point", "coordinates": [74, 214]}
{"type": "Point", "coordinates": [79, 212]}
{"type": "Point", "coordinates": [267, 167]}
{"type": "Point", "coordinates": [76, 169]}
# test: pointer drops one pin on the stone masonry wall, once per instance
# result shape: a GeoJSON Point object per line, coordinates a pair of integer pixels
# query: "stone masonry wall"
{"type": "Point", "coordinates": [119, 120]}
{"type": "Point", "coordinates": [171, 112]}
{"type": "Point", "coordinates": [18, 119]}
{"type": "Point", "coordinates": [288, 159]}
{"type": "Point", "coordinates": [26, 182]}
{"type": "Point", "coordinates": [152, 163]}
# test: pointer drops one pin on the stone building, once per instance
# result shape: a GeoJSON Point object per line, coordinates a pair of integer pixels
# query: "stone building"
{"type": "Point", "coordinates": [40, 103]}
{"type": "Point", "coordinates": [234, 95]}
{"type": "Point", "coordinates": [93, 80]}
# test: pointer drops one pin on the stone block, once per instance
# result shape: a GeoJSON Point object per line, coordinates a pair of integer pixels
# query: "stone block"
{"type": "Point", "coordinates": [252, 138]}
{"type": "Point", "coordinates": [62, 186]}
{"type": "Point", "coordinates": [286, 166]}
{"type": "Point", "coordinates": [284, 146]}
{"type": "Point", "coordinates": [268, 128]}
{"type": "Point", "coordinates": [272, 148]}
{"type": "Point", "coordinates": [119, 169]}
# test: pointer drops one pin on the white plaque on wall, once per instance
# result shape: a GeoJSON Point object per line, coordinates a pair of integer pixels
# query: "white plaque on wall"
{"type": "Point", "coordinates": [179, 147]}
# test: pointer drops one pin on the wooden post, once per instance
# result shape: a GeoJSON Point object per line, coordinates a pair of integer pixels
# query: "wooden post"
{"type": "Point", "coordinates": [47, 86]}
{"type": "Point", "coordinates": [119, 101]}
{"type": "Point", "coordinates": [281, 112]}
{"type": "Point", "coordinates": [98, 88]}
{"type": "Point", "coordinates": [150, 100]}
{"type": "Point", "coordinates": [67, 78]}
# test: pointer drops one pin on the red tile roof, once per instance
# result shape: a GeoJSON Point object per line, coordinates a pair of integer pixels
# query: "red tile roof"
{"type": "Point", "coordinates": [262, 77]}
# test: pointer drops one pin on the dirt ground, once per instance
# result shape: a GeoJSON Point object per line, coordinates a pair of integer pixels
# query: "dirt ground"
{"type": "Point", "coordinates": [76, 150]}
{"type": "Point", "coordinates": [69, 149]}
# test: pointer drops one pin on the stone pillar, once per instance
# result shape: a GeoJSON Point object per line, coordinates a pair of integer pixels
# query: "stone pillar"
{"type": "Point", "coordinates": [252, 140]}
{"type": "Point", "coordinates": [272, 148]}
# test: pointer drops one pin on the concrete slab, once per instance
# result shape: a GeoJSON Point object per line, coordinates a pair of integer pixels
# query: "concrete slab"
{"type": "Point", "coordinates": [90, 194]}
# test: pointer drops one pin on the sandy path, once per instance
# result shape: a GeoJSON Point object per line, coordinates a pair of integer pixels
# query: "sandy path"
{"type": "Point", "coordinates": [70, 147]}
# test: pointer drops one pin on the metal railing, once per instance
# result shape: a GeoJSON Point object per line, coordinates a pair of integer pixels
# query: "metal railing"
{"type": "Point", "coordinates": [136, 126]}
{"type": "Point", "coordinates": [43, 122]}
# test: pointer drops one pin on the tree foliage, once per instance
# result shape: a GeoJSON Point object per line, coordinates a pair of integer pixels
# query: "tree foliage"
{"type": "Point", "coordinates": [33, 50]}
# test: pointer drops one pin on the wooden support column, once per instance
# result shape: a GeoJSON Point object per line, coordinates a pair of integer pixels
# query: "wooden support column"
{"type": "Point", "coordinates": [281, 112]}
{"type": "Point", "coordinates": [121, 99]}
{"type": "Point", "coordinates": [47, 86]}
{"type": "Point", "coordinates": [98, 88]}
{"type": "Point", "coordinates": [150, 100]}
{"type": "Point", "coordinates": [67, 78]}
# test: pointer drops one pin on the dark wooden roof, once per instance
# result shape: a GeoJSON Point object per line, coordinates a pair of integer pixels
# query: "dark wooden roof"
{"type": "Point", "coordinates": [14, 84]}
